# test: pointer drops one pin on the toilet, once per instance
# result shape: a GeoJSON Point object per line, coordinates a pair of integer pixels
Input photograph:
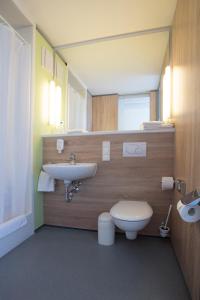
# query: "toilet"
{"type": "Point", "coordinates": [131, 216]}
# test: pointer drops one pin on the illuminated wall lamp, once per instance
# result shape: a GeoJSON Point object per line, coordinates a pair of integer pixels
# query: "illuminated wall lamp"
{"type": "Point", "coordinates": [58, 100]}
{"type": "Point", "coordinates": [167, 94]}
{"type": "Point", "coordinates": [55, 99]}
{"type": "Point", "coordinates": [45, 103]}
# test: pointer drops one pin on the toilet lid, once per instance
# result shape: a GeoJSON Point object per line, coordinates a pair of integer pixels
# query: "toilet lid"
{"type": "Point", "coordinates": [131, 210]}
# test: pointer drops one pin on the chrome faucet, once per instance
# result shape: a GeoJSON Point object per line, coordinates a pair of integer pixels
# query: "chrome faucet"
{"type": "Point", "coordinates": [72, 159]}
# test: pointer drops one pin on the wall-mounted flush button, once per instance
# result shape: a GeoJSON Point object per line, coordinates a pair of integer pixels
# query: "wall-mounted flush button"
{"type": "Point", "coordinates": [134, 149]}
{"type": "Point", "coordinates": [60, 145]}
{"type": "Point", "coordinates": [106, 151]}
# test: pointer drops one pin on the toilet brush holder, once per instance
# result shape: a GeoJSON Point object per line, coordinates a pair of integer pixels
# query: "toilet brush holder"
{"type": "Point", "coordinates": [164, 231]}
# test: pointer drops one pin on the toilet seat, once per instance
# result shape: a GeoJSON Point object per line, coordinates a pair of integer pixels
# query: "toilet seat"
{"type": "Point", "coordinates": [131, 210]}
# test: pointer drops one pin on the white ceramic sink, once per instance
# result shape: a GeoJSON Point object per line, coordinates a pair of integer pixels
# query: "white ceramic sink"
{"type": "Point", "coordinates": [70, 172]}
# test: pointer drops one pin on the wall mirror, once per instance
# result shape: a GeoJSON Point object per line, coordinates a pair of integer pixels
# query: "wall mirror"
{"type": "Point", "coordinates": [114, 84]}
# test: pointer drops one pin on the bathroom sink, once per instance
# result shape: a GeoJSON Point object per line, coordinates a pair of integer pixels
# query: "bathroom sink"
{"type": "Point", "coordinates": [70, 172]}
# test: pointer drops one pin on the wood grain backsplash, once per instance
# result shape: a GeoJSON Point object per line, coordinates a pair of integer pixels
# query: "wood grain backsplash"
{"type": "Point", "coordinates": [121, 178]}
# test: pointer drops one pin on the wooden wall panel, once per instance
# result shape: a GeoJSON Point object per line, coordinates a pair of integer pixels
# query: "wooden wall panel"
{"type": "Point", "coordinates": [120, 178]}
{"type": "Point", "coordinates": [105, 113]}
{"type": "Point", "coordinates": [186, 113]}
{"type": "Point", "coordinates": [153, 105]}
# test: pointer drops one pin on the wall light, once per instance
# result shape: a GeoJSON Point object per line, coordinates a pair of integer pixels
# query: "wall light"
{"type": "Point", "coordinates": [52, 102]}
{"type": "Point", "coordinates": [45, 103]}
{"type": "Point", "coordinates": [167, 94]}
{"type": "Point", "coordinates": [55, 99]}
{"type": "Point", "coordinates": [58, 100]}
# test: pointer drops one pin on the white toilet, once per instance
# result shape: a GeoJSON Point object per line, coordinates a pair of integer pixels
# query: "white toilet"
{"type": "Point", "coordinates": [131, 216]}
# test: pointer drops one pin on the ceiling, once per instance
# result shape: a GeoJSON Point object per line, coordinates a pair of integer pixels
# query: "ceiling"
{"type": "Point", "coordinates": [67, 21]}
{"type": "Point", "coordinates": [126, 65]}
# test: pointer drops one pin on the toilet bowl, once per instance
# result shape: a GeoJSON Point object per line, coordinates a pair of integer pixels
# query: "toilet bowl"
{"type": "Point", "coordinates": [131, 216]}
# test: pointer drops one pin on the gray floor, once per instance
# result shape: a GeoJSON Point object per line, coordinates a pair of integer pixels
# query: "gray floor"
{"type": "Point", "coordinates": [67, 264]}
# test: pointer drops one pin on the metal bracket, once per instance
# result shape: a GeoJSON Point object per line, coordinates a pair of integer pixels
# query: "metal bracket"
{"type": "Point", "coordinates": [192, 199]}
{"type": "Point", "coordinates": [180, 186]}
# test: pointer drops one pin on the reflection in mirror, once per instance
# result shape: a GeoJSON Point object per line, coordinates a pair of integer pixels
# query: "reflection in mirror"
{"type": "Point", "coordinates": [132, 111]}
{"type": "Point", "coordinates": [77, 104]}
{"type": "Point", "coordinates": [115, 85]}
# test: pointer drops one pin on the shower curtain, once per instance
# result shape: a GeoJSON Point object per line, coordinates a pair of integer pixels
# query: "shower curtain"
{"type": "Point", "coordinates": [15, 125]}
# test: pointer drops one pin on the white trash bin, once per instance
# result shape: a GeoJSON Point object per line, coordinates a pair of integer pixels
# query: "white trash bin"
{"type": "Point", "coordinates": [106, 229]}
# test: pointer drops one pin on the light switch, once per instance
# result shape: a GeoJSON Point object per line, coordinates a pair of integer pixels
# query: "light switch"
{"type": "Point", "coordinates": [106, 150]}
{"type": "Point", "coordinates": [134, 149]}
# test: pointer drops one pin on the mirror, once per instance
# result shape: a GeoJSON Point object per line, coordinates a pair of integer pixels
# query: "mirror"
{"type": "Point", "coordinates": [114, 84]}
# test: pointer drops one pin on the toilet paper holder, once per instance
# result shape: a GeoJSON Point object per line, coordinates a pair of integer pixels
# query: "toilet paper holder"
{"type": "Point", "coordinates": [192, 199]}
{"type": "Point", "coordinates": [177, 184]}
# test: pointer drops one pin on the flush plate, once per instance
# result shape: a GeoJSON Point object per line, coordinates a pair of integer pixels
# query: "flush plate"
{"type": "Point", "coordinates": [134, 149]}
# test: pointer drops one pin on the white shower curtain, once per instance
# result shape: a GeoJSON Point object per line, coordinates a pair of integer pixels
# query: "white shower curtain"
{"type": "Point", "coordinates": [15, 125]}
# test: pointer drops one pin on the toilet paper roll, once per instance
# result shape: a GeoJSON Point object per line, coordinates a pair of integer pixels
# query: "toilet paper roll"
{"type": "Point", "coordinates": [187, 213]}
{"type": "Point", "coordinates": [167, 183]}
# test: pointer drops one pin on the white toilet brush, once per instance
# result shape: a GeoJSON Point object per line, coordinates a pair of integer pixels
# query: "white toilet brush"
{"type": "Point", "coordinates": [164, 229]}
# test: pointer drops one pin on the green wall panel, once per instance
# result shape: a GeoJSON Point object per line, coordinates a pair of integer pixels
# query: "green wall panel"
{"type": "Point", "coordinates": [41, 126]}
